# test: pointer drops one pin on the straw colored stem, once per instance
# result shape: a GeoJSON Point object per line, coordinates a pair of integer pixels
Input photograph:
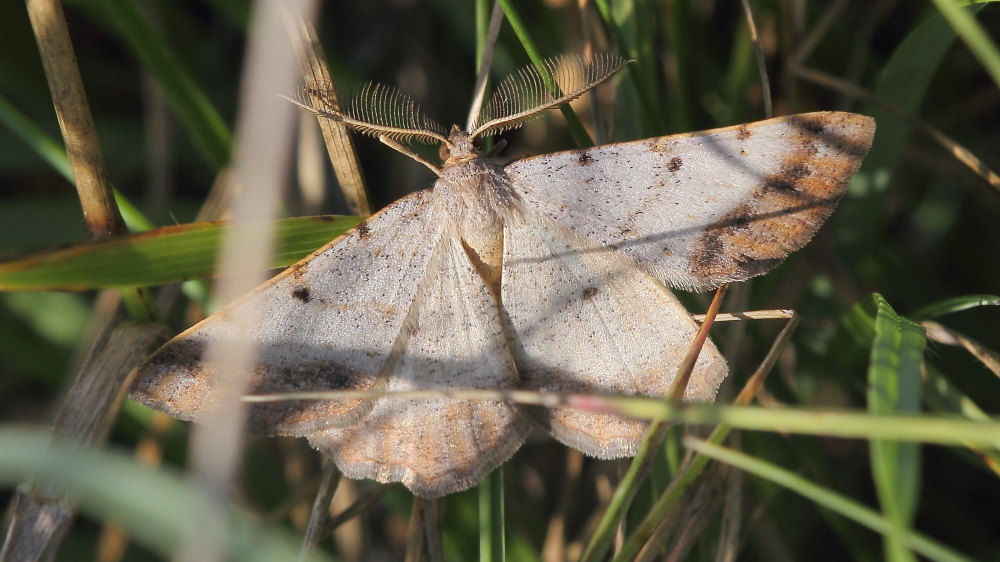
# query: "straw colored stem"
{"type": "Point", "coordinates": [99, 211]}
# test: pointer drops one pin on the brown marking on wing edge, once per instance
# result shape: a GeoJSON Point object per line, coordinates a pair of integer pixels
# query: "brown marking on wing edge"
{"type": "Point", "coordinates": [675, 164]}
{"type": "Point", "coordinates": [743, 133]}
{"type": "Point", "coordinates": [298, 270]}
{"type": "Point", "coordinates": [364, 231]}
{"type": "Point", "coordinates": [786, 208]}
{"type": "Point", "coordinates": [583, 158]}
{"type": "Point", "coordinates": [174, 379]}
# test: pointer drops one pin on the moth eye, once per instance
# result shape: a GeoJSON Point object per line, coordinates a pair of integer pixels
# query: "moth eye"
{"type": "Point", "coordinates": [443, 152]}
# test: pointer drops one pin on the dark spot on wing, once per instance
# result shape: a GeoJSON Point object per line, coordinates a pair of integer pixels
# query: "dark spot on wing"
{"type": "Point", "coordinates": [743, 133]}
{"type": "Point", "coordinates": [812, 126]}
{"type": "Point", "coordinates": [741, 218]}
{"type": "Point", "coordinates": [583, 158]}
{"type": "Point", "coordinates": [589, 293]}
{"type": "Point", "coordinates": [787, 179]}
{"type": "Point", "coordinates": [364, 230]}
{"type": "Point", "coordinates": [302, 294]}
{"type": "Point", "coordinates": [675, 164]}
{"type": "Point", "coordinates": [709, 253]}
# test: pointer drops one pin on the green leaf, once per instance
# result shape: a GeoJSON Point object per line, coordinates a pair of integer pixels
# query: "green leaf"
{"type": "Point", "coordinates": [894, 387]}
{"type": "Point", "coordinates": [156, 257]}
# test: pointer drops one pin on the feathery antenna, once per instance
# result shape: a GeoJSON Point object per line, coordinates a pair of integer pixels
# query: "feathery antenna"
{"type": "Point", "coordinates": [377, 110]}
{"type": "Point", "coordinates": [523, 95]}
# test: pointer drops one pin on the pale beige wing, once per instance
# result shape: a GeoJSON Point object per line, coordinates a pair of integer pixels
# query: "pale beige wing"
{"type": "Point", "coordinates": [454, 339]}
{"type": "Point", "coordinates": [588, 320]}
{"type": "Point", "coordinates": [702, 209]}
{"type": "Point", "coordinates": [328, 322]}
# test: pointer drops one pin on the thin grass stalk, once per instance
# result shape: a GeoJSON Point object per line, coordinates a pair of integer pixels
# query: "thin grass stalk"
{"type": "Point", "coordinates": [693, 467]}
{"type": "Point", "coordinates": [41, 515]}
{"type": "Point", "coordinates": [958, 151]}
{"type": "Point", "coordinates": [827, 498]}
{"type": "Point", "coordinates": [487, 33]}
{"type": "Point", "coordinates": [424, 540]}
{"type": "Point", "coordinates": [262, 157]}
{"type": "Point", "coordinates": [319, 515]}
{"type": "Point", "coordinates": [492, 533]}
{"type": "Point", "coordinates": [576, 128]}
{"type": "Point", "coordinates": [974, 36]}
{"type": "Point", "coordinates": [758, 51]}
{"type": "Point", "coordinates": [337, 137]}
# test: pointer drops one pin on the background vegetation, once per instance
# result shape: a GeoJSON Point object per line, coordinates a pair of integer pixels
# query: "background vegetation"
{"type": "Point", "coordinates": [919, 227]}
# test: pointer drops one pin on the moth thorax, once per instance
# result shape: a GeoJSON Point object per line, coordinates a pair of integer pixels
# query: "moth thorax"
{"type": "Point", "coordinates": [477, 195]}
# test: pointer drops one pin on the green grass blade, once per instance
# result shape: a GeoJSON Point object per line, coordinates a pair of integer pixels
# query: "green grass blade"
{"type": "Point", "coordinates": [978, 41]}
{"type": "Point", "coordinates": [955, 304]}
{"type": "Point", "coordinates": [155, 507]}
{"type": "Point", "coordinates": [156, 257]}
{"type": "Point", "coordinates": [52, 152]}
{"type": "Point", "coordinates": [902, 82]}
{"type": "Point", "coordinates": [894, 387]}
{"type": "Point", "coordinates": [667, 501]}
{"type": "Point", "coordinates": [207, 129]}
{"type": "Point", "coordinates": [681, 113]}
{"type": "Point", "coordinates": [492, 534]}
{"type": "Point", "coordinates": [641, 75]}
{"type": "Point", "coordinates": [824, 497]}
{"type": "Point", "coordinates": [859, 323]}
{"type": "Point", "coordinates": [38, 140]}
{"type": "Point", "coordinates": [924, 428]}
{"type": "Point", "coordinates": [942, 395]}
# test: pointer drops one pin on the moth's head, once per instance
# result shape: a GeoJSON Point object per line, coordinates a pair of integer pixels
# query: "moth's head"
{"type": "Point", "coordinates": [393, 117]}
{"type": "Point", "coordinates": [460, 147]}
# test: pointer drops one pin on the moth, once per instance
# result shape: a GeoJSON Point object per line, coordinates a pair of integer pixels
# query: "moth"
{"type": "Point", "coordinates": [547, 273]}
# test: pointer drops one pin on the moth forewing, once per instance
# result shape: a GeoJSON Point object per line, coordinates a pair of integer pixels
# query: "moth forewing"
{"type": "Point", "coordinates": [702, 209]}
{"type": "Point", "coordinates": [329, 322]}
